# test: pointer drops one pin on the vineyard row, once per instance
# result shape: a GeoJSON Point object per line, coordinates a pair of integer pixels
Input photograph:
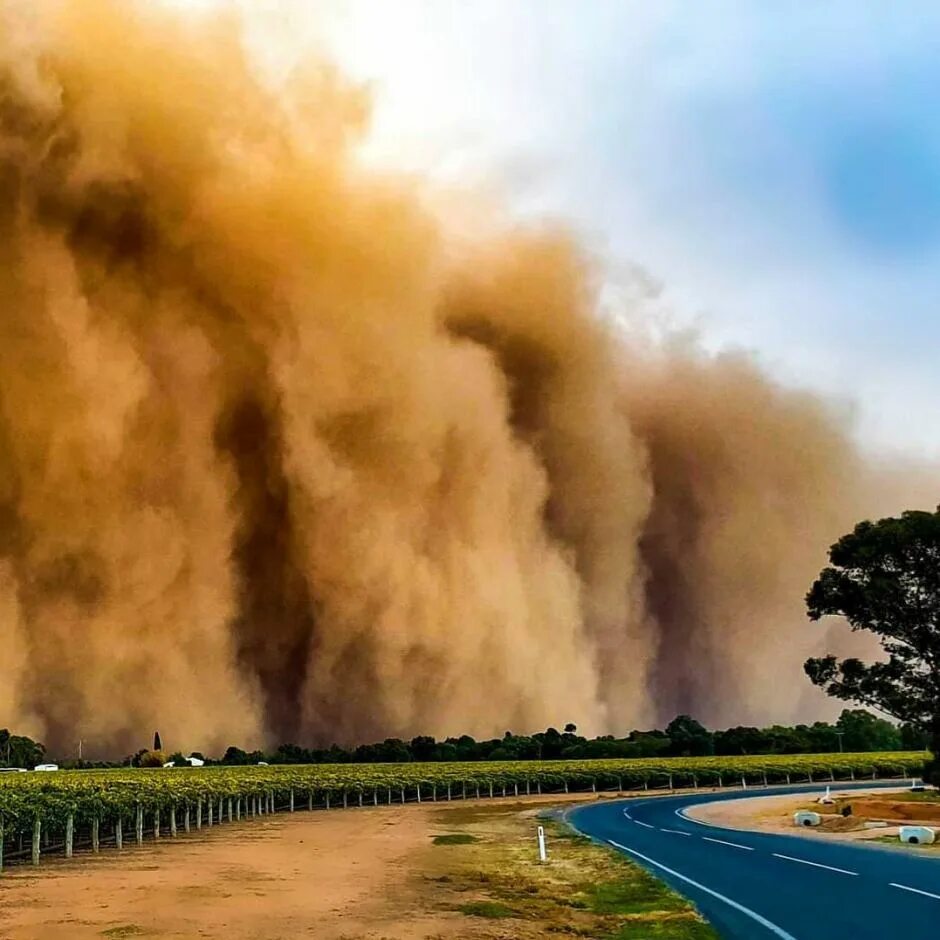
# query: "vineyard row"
{"type": "Point", "coordinates": [69, 810]}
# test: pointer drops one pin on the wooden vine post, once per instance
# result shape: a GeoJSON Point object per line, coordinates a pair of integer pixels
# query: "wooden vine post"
{"type": "Point", "coordinates": [140, 824]}
{"type": "Point", "coordinates": [37, 835]}
{"type": "Point", "coordinates": [69, 834]}
{"type": "Point", "coordinates": [119, 834]}
{"type": "Point", "coordinates": [95, 845]}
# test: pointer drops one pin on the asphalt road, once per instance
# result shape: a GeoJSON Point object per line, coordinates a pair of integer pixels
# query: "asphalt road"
{"type": "Point", "coordinates": [752, 885]}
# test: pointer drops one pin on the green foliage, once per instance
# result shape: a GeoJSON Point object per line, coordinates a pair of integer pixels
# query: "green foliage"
{"type": "Point", "coordinates": [152, 759]}
{"type": "Point", "coordinates": [863, 731]}
{"type": "Point", "coordinates": [492, 909]}
{"type": "Point", "coordinates": [19, 751]}
{"type": "Point", "coordinates": [688, 738]}
{"type": "Point", "coordinates": [455, 838]}
{"type": "Point", "coordinates": [108, 794]}
{"type": "Point", "coordinates": [884, 577]}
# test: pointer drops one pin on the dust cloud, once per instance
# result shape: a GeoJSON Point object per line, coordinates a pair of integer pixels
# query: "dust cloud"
{"type": "Point", "coordinates": [284, 457]}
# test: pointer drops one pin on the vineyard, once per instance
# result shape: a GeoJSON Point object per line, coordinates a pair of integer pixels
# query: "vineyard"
{"type": "Point", "coordinates": [67, 810]}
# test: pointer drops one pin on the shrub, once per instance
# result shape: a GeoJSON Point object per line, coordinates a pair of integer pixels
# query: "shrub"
{"type": "Point", "coordinates": [152, 759]}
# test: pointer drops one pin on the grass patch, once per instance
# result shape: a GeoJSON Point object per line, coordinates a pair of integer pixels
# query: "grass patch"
{"type": "Point", "coordinates": [455, 838]}
{"type": "Point", "coordinates": [122, 931]}
{"type": "Point", "coordinates": [663, 930]}
{"type": "Point", "coordinates": [491, 909]}
{"type": "Point", "coordinates": [585, 890]}
{"type": "Point", "coordinates": [895, 841]}
{"type": "Point", "coordinates": [637, 895]}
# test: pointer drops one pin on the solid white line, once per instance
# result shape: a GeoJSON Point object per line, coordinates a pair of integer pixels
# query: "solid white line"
{"type": "Point", "coordinates": [646, 825]}
{"type": "Point", "coordinates": [915, 890]}
{"type": "Point", "coordinates": [675, 832]}
{"type": "Point", "coordinates": [803, 861]}
{"type": "Point", "coordinates": [773, 928]}
{"type": "Point", "coordinates": [625, 813]}
{"type": "Point", "coordinates": [698, 822]}
{"type": "Point", "coordinates": [733, 845]}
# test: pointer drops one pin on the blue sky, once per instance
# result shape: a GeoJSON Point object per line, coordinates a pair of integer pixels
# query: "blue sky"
{"type": "Point", "coordinates": [775, 166]}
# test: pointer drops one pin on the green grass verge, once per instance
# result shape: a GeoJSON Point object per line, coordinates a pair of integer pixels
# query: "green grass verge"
{"type": "Point", "coordinates": [584, 890]}
{"type": "Point", "coordinates": [455, 838]}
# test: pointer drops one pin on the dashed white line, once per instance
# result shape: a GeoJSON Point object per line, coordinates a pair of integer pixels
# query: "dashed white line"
{"type": "Point", "coordinates": [804, 861]}
{"type": "Point", "coordinates": [675, 832]}
{"type": "Point", "coordinates": [734, 845]}
{"type": "Point", "coordinates": [926, 894]}
{"type": "Point", "coordinates": [645, 825]}
{"type": "Point", "coordinates": [772, 927]}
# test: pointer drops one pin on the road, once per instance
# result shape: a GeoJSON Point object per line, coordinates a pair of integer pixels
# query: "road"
{"type": "Point", "coordinates": [753, 885]}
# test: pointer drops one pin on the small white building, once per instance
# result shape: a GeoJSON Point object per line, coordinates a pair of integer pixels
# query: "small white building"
{"type": "Point", "coordinates": [192, 761]}
{"type": "Point", "coordinates": [46, 767]}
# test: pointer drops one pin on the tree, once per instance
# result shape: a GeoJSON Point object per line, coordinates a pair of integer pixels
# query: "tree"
{"type": "Point", "coordinates": [152, 759]}
{"type": "Point", "coordinates": [885, 577]}
{"type": "Point", "coordinates": [571, 728]}
{"type": "Point", "coordinates": [423, 747]}
{"type": "Point", "coordinates": [157, 743]}
{"type": "Point", "coordinates": [863, 731]}
{"type": "Point", "coordinates": [741, 740]}
{"type": "Point", "coordinates": [19, 751]}
{"type": "Point", "coordinates": [688, 738]}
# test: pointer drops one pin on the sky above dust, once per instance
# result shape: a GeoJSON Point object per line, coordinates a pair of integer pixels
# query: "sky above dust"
{"type": "Point", "coordinates": [772, 167]}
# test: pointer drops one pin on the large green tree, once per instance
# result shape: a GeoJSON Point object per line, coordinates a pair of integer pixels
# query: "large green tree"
{"type": "Point", "coordinates": [884, 577]}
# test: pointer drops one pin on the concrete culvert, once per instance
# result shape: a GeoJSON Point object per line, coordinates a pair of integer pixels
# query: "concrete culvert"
{"type": "Point", "coordinates": [806, 818]}
{"type": "Point", "coordinates": [917, 835]}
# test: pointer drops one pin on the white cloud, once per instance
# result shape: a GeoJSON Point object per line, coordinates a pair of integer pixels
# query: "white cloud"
{"type": "Point", "coordinates": [688, 139]}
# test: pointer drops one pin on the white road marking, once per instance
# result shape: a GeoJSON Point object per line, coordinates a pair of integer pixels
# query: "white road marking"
{"type": "Point", "coordinates": [915, 890]}
{"type": "Point", "coordinates": [675, 832]}
{"type": "Point", "coordinates": [734, 845]}
{"type": "Point", "coordinates": [645, 825]}
{"type": "Point", "coordinates": [772, 927]}
{"type": "Point", "coordinates": [698, 822]}
{"type": "Point", "coordinates": [625, 813]}
{"type": "Point", "coordinates": [804, 861]}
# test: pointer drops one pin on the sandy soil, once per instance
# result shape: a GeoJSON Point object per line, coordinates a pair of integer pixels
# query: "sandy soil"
{"type": "Point", "coordinates": [336, 875]}
{"type": "Point", "coordinates": [359, 873]}
{"type": "Point", "coordinates": [775, 814]}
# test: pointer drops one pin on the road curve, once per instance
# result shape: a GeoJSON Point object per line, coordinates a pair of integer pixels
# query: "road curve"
{"type": "Point", "coordinates": [754, 885]}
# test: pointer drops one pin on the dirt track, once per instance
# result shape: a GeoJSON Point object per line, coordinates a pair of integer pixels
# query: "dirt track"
{"type": "Point", "coordinates": [341, 875]}
{"type": "Point", "coordinates": [360, 874]}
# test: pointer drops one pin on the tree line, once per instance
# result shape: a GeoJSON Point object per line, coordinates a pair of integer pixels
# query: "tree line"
{"type": "Point", "coordinates": [854, 730]}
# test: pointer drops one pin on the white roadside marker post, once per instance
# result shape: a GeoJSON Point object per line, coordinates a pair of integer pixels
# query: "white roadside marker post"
{"type": "Point", "coordinates": [543, 855]}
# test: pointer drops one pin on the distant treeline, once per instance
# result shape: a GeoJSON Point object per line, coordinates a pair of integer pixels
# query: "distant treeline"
{"type": "Point", "coordinates": [684, 736]}
{"type": "Point", "coordinates": [855, 730]}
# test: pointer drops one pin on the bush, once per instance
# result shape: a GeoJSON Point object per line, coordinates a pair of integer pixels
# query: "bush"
{"type": "Point", "coordinates": [152, 759]}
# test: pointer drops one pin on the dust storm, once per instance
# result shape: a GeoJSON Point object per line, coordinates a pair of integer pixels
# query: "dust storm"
{"type": "Point", "coordinates": [286, 456]}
